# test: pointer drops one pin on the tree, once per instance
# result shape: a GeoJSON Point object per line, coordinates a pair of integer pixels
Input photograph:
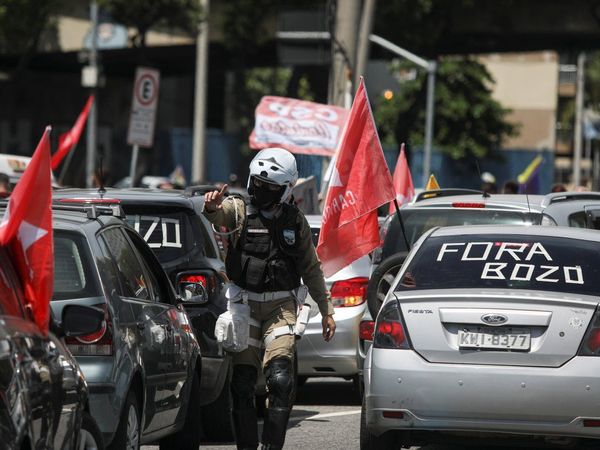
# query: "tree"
{"type": "Point", "coordinates": [146, 14]}
{"type": "Point", "coordinates": [468, 121]}
{"type": "Point", "coordinates": [22, 24]}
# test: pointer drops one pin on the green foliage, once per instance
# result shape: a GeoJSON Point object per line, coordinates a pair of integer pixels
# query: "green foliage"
{"type": "Point", "coordinates": [468, 121]}
{"type": "Point", "coordinates": [146, 14]}
{"type": "Point", "coordinates": [592, 81]}
{"type": "Point", "coordinates": [22, 22]}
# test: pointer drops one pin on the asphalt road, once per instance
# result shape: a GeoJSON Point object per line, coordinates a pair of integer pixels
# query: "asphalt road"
{"type": "Point", "coordinates": [326, 415]}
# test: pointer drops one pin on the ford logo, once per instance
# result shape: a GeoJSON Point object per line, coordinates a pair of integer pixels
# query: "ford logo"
{"type": "Point", "coordinates": [494, 319]}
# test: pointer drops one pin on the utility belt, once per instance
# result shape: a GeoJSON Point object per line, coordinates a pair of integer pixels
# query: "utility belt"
{"type": "Point", "coordinates": [232, 329]}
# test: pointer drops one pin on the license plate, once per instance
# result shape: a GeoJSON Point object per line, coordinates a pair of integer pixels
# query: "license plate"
{"type": "Point", "coordinates": [495, 338]}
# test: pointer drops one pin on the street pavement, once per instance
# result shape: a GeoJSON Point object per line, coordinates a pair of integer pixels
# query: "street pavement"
{"type": "Point", "coordinates": [326, 415]}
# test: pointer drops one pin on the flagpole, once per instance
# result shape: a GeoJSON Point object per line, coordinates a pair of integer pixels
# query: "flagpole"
{"type": "Point", "coordinates": [66, 165]}
{"type": "Point", "coordinates": [401, 224]}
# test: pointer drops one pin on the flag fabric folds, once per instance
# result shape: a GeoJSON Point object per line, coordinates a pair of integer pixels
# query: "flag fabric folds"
{"type": "Point", "coordinates": [529, 179]}
{"type": "Point", "coordinates": [26, 230]}
{"type": "Point", "coordinates": [403, 184]}
{"type": "Point", "coordinates": [360, 183]}
{"type": "Point", "coordinates": [69, 139]}
{"type": "Point", "coordinates": [432, 184]}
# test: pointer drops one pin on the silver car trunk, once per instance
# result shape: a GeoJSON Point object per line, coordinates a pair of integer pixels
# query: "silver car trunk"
{"type": "Point", "coordinates": [487, 326]}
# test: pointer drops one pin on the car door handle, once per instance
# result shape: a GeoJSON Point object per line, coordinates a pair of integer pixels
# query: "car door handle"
{"type": "Point", "coordinates": [141, 326]}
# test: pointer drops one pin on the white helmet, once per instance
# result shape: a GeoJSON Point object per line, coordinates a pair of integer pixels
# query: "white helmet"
{"type": "Point", "coordinates": [277, 166]}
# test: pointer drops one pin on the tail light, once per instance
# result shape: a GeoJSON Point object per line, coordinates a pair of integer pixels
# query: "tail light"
{"type": "Point", "coordinates": [591, 341]}
{"type": "Point", "coordinates": [390, 331]}
{"type": "Point", "coordinates": [366, 330]}
{"type": "Point", "coordinates": [352, 292]}
{"type": "Point", "coordinates": [99, 343]}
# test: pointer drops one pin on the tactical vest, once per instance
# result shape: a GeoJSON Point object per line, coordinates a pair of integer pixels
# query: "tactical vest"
{"type": "Point", "coordinates": [264, 257]}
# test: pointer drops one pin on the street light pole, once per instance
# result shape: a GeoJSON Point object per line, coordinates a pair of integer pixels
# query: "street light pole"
{"type": "Point", "coordinates": [199, 140]}
{"type": "Point", "coordinates": [431, 69]}
{"type": "Point", "coordinates": [578, 118]}
{"type": "Point", "coordinates": [92, 119]}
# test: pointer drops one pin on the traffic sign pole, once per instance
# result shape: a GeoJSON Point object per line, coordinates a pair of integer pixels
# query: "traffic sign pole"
{"type": "Point", "coordinates": [134, 158]}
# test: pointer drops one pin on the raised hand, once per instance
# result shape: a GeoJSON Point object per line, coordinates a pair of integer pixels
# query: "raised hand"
{"type": "Point", "coordinates": [214, 199]}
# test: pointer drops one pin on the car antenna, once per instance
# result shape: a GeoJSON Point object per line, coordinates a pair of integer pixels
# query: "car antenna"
{"type": "Point", "coordinates": [101, 189]}
{"type": "Point", "coordinates": [483, 193]}
{"type": "Point", "coordinates": [401, 223]}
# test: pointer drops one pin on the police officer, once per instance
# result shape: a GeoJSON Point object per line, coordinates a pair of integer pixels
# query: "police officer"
{"type": "Point", "coordinates": [271, 251]}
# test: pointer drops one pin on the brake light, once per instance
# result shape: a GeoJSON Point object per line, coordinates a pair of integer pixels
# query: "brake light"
{"type": "Point", "coordinates": [99, 343]}
{"type": "Point", "coordinates": [389, 329]}
{"type": "Point", "coordinates": [366, 330]}
{"type": "Point", "coordinates": [468, 205]}
{"type": "Point", "coordinates": [393, 414]}
{"type": "Point", "coordinates": [591, 423]}
{"type": "Point", "coordinates": [352, 292]}
{"type": "Point", "coordinates": [590, 345]}
{"type": "Point", "coordinates": [91, 201]}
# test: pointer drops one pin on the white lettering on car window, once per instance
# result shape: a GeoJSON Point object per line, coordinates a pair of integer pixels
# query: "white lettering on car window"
{"type": "Point", "coordinates": [495, 268]}
{"type": "Point", "coordinates": [445, 249]}
{"type": "Point", "coordinates": [165, 242]}
{"type": "Point", "coordinates": [547, 273]}
{"type": "Point", "coordinates": [486, 251]}
{"type": "Point", "coordinates": [169, 228]}
{"type": "Point", "coordinates": [537, 249]}
{"type": "Point", "coordinates": [579, 275]}
{"type": "Point", "coordinates": [515, 273]}
{"type": "Point", "coordinates": [512, 248]}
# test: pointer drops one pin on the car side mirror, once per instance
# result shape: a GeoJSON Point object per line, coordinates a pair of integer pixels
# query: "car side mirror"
{"type": "Point", "coordinates": [193, 292]}
{"type": "Point", "coordinates": [79, 320]}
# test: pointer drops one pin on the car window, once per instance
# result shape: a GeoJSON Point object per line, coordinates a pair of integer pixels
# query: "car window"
{"type": "Point", "coordinates": [578, 220]}
{"type": "Point", "coordinates": [134, 281]}
{"type": "Point", "coordinates": [171, 233]}
{"type": "Point", "coordinates": [9, 300]}
{"type": "Point", "coordinates": [419, 220]}
{"type": "Point", "coordinates": [158, 280]}
{"type": "Point", "coordinates": [74, 275]}
{"type": "Point", "coordinates": [505, 261]}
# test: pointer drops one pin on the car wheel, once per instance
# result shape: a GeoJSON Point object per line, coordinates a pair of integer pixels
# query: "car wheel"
{"type": "Point", "coordinates": [216, 417]}
{"type": "Point", "coordinates": [188, 438]}
{"type": "Point", "coordinates": [369, 441]}
{"type": "Point", "coordinates": [90, 437]}
{"type": "Point", "coordinates": [128, 432]}
{"type": "Point", "coordinates": [381, 281]}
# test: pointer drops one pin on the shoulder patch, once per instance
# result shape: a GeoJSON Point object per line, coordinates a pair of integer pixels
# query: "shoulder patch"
{"type": "Point", "coordinates": [289, 236]}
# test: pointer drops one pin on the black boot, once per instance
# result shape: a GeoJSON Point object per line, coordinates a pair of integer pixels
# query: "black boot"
{"type": "Point", "coordinates": [246, 429]}
{"type": "Point", "coordinates": [275, 427]}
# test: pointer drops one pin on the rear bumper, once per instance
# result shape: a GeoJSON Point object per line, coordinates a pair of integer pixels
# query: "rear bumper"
{"type": "Point", "coordinates": [336, 357]}
{"type": "Point", "coordinates": [506, 399]}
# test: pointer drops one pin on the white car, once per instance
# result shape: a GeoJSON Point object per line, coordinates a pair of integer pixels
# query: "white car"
{"type": "Point", "coordinates": [336, 358]}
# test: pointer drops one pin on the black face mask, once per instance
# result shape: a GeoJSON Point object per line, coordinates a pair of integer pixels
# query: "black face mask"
{"type": "Point", "coordinates": [265, 198]}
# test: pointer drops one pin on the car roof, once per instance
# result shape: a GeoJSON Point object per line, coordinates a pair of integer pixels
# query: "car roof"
{"type": "Point", "coordinates": [519, 202]}
{"type": "Point", "coordinates": [531, 230]}
{"type": "Point", "coordinates": [138, 196]}
{"type": "Point", "coordinates": [314, 220]}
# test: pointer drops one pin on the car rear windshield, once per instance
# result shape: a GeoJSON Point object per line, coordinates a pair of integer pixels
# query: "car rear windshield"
{"type": "Point", "coordinates": [505, 262]}
{"type": "Point", "coordinates": [418, 220]}
{"type": "Point", "coordinates": [170, 232]}
{"type": "Point", "coordinates": [74, 275]}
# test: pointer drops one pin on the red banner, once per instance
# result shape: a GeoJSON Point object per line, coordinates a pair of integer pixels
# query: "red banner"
{"type": "Point", "coordinates": [360, 184]}
{"type": "Point", "coordinates": [298, 126]}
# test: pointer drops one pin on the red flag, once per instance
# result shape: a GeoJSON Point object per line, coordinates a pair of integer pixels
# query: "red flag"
{"type": "Point", "coordinates": [70, 139]}
{"type": "Point", "coordinates": [26, 230]}
{"type": "Point", "coordinates": [361, 183]}
{"type": "Point", "coordinates": [403, 184]}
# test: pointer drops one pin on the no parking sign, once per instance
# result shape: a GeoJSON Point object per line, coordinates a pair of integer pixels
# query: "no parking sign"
{"type": "Point", "coordinates": [143, 107]}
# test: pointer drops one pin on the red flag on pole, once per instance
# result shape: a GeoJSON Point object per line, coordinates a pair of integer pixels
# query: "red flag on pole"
{"type": "Point", "coordinates": [403, 184]}
{"type": "Point", "coordinates": [26, 230]}
{"type": "Point", "coordinates": [70, 139]}
{"type": "Point", "coordinates": [360, 183]}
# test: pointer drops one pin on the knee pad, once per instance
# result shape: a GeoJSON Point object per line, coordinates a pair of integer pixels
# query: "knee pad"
{"type": "Point", "coordinates": [280, 382]}
{"type": "Point", "coordinates": [243, 384]}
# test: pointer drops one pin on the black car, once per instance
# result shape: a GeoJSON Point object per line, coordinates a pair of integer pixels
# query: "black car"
{"type": "Point", "coordinates": [170, 221]}
{"type": "Point", "coordinates": [43, 393]}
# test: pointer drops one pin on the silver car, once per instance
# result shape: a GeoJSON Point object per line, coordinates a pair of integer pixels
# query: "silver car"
{"type": "Point", "coordinates": [317, 358]}
{"type": "Point", "coordinates": [488, 331]}
{"type": "Point", "coordinates": [572, 209]}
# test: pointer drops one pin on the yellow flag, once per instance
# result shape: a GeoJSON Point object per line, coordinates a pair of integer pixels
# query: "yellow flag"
{"type": "Point", "coordinates": [432, 184]}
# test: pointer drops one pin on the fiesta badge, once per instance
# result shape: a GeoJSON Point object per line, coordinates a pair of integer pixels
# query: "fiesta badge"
{"type": "Point", "coordinates": [494, 319]}
{"type": "Point", "coordinates": [289, 236]}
